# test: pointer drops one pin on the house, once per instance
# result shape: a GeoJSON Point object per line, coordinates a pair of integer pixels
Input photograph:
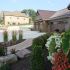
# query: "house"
{"type": "Point", "coordinates": [60, 20]}
{"type": "Point", "coordinates": [41, 22]}
{"type": "Point", "coordinates": [14, 18]}
{"type": "Point", "coordinates": [48, 21]}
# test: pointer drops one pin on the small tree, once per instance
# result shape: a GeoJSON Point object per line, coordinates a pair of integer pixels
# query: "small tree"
{"type": "Point", "coordinates": [37, 58]}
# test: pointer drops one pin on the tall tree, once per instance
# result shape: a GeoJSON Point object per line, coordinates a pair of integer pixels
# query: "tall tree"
{"type": "Point", "coordinates": [30, 12]}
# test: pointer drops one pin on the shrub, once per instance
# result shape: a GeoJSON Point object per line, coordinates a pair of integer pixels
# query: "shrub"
{"type": "Point", "coordinates": [37, 58]}
{"type": "Point", "coordinates": [41, 40]}
{"type": "Point", "coordinates": [39, 44]}
{"type": "Point", "coordinates": [68, 55]}
{"type": "Point", "coordinates": [14, 38]}
{"type": "Point", "coordinates": [66, 41]}
{"type": "Point", "coordinates": [5, 67]}
{"type": "Point", "coordinates": [52, 46]}
{"type": "Point", "coordinates": [20, 35]}
{"type": "Point", "coordinates": [5, 36]}
{"type": "Point", "coordinates": [2, 51]}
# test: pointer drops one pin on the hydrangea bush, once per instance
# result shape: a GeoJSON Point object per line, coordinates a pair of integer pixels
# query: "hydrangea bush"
{"type": "Point", "coordinates": [55, 43]}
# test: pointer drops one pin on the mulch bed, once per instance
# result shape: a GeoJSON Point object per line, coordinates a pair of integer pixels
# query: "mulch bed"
{"type": "Point", "coordinates": [10, 43]}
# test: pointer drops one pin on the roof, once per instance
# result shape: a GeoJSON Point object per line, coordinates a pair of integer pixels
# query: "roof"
{"type": "Point", "coordinates": [15, 13]}
{"type": "Point", "coordinates": [44, 14]}
{"type": "Point", "coordinates": [61, 14]}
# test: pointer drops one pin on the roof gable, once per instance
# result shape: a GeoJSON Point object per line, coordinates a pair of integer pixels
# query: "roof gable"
{"type": "Point", "coordinates": [44, 14]}
{"type": "Point", "coordinates": [61, 13]}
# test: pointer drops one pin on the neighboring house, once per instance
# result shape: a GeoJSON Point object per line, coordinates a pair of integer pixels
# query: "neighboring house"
{"type": "Point", "coordinates": [41, 22]}
{"type": "Point", "coordinates": [60, 20]}
{"type": "Point", "coordinates": [49, 21]}
{"type": "Point", "coordinates": [14, 18]}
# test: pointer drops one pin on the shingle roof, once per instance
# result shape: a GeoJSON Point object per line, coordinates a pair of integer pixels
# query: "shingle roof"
{"type": "Point", "coordinates": [61, 14]}
{"type": "Point", "coordinates": [44, 14]}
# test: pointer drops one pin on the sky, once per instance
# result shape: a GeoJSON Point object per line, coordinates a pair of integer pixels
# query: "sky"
{"type": "Point", "coordinates": [18, 5]}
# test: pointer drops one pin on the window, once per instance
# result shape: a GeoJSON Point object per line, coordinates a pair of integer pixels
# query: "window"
{"type": "Point", "coordinates": [8, 22]}
{"type": "Point", "coordinates": [14, 23]}
{"type": "Point", "coordinates": [18, 23]}
{"type": "Point", "coordinates": [10, 17]}
{"type": "Point", "coordinates": [24, 19]}
{"type": "Point", "coordinates": [17, 17]}
{"type": "Point", "coordinates": [51, 22]}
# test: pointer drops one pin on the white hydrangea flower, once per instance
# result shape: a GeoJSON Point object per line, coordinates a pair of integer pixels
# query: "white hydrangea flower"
{"type": "Point", "coordinates": [57, 38]}
{"type": "Point", "coordinates": [58, 42]}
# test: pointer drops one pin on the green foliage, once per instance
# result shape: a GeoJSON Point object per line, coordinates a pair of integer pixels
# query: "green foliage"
{"type": "Point", "coordinates": [52, 46]}
{"type": "Point", "coordinates": [39, 52]}
{"type": "Point", "coordinates": [5, 36]}
{"type": "Point", "coordinates": [68, 69]}
{"type": "Point", "coordinates": [41, 40]}
{"type": "Point", "coordinates": [68, 56]}
{"type": "Point", "coordinates": [2, 51]}
{"type": "Point", "coordinates": [20, 35]}
{"type": "Point", "coordinates": [14, 38]}
{"type": "Point", "coordinates": [37, 58]}
{"type": "Point", "coordinates": [30, 12]}
{"type": "Point", "coordinates": [5, 67]}
{"type": "Point", "coordinates": [66, 41]}
{"type": "Point", "coordinates": [38, 41]}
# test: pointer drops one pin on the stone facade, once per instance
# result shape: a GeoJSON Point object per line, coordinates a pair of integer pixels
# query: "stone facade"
{"type": "Point", "coordinates": [14, 18]}
{"type": "Point", "coordinates": [59, 20]}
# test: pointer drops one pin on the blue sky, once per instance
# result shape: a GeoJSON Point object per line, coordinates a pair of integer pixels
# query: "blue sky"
{"type": "Point", "coordinates": [16, 5]}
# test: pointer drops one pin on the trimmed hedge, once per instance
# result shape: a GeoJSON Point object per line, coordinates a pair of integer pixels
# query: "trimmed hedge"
{"type": "Point", "coordinates": [41, 40]}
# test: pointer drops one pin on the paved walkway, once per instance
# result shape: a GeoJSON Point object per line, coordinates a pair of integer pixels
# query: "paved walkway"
{"type": "Point", "coordinates": [25, 44]}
